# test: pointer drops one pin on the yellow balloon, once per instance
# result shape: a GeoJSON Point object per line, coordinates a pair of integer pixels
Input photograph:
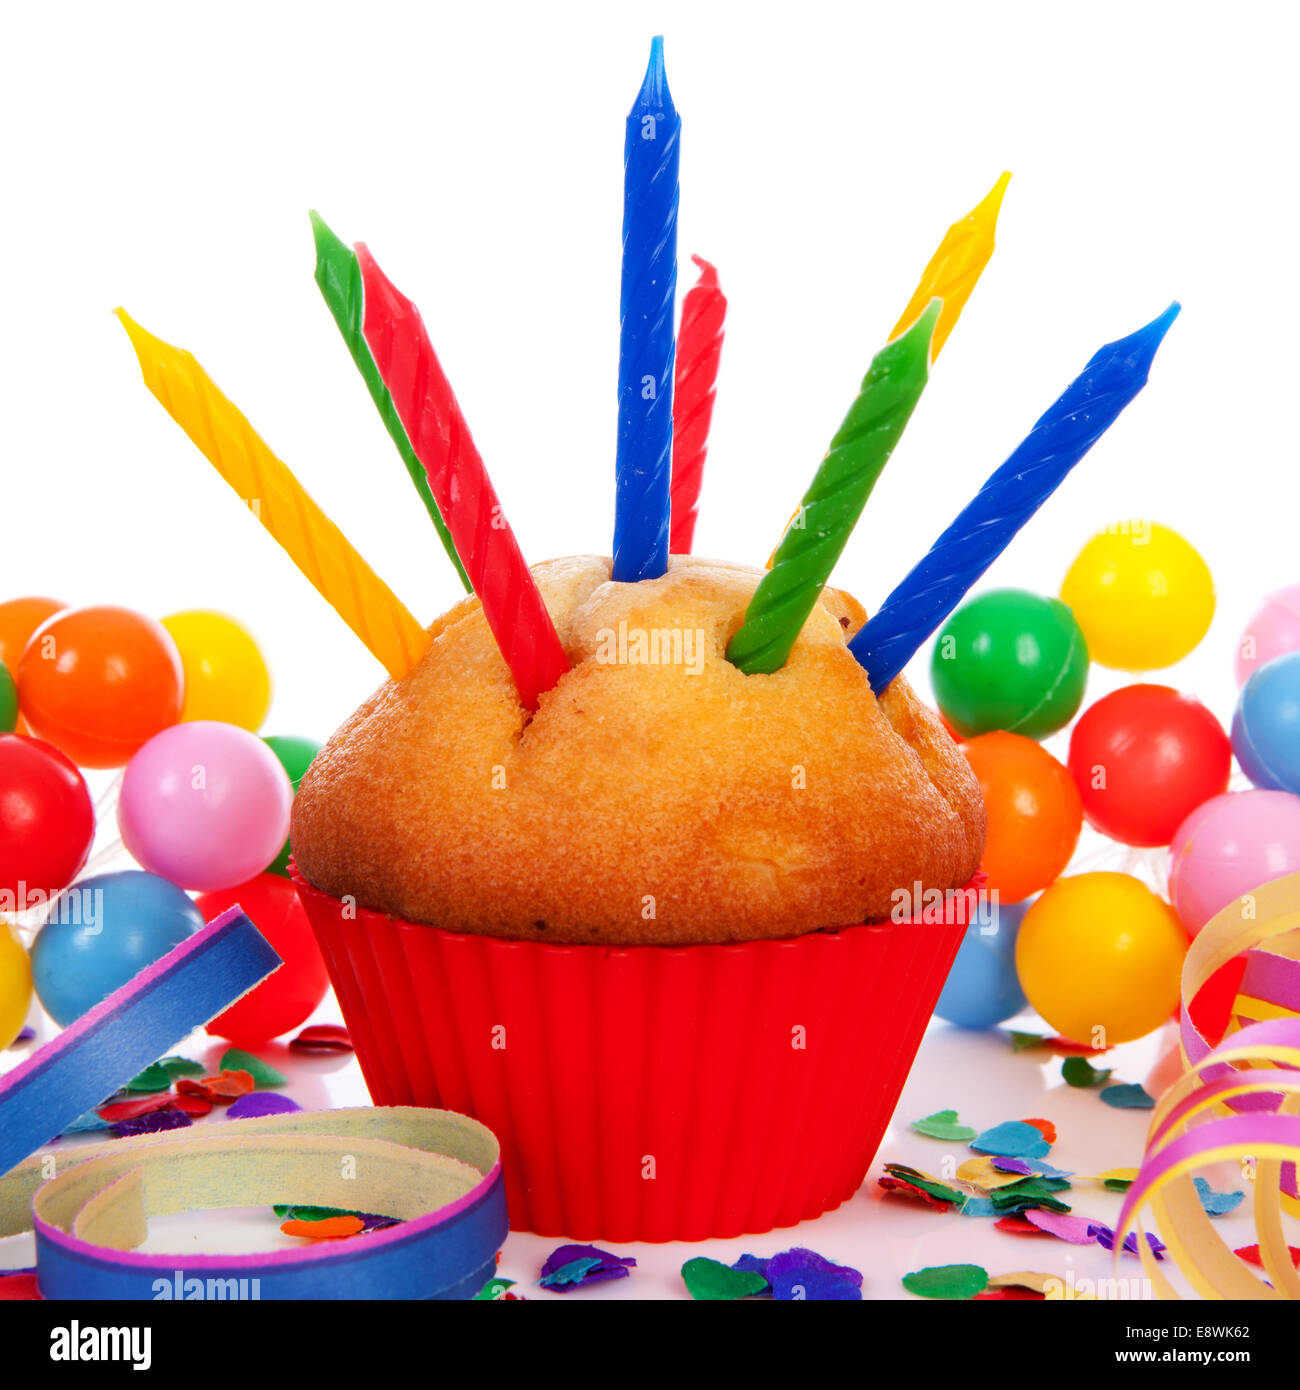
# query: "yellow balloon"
{"type": "Point", "coordinates": [1100, 957]}
{"type": "Point", "coordinates": [225, 675]}
{"type": "Point", "coordinates": [15, 984]}
{"type": "Point", "coordinates": [1142, 595]}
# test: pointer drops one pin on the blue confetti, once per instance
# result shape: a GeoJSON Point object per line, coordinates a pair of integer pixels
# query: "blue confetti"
{"type": "Point", "coordinates": [753, 1264]}
{"type": "Point", "coordinates": [979, 1206]}
{"type": "Point", "coordinates": [86, 1124]}
{"type": "Point", "coordinates": [803, 1275]}
{"type": "Point", "coordinates": [1030, 1168]}
{"type": "Point", "coordinates": [1217, 1203]}
{"type": "Point", "coordinates": [1012, 1139]}
{"type": "Point", "coordinates": [1128, 1098]}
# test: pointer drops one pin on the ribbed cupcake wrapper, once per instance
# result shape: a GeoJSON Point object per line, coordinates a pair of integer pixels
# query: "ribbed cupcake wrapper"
{"type": "Point", "coordinates": [650, 1093]}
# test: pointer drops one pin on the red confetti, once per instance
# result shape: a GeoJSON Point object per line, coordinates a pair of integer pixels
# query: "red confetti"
{"type": "Point", "coordinates": [332, 1228]}
{"type": "Point", "coordinates": [1046, 1128]}
{"type": "Point", "coordinates": [133, 1109]}
{"type": "Point", "coordinates": [322, 1037]}
{"type": "Point", "coordinates": [1009, 1293]}
{"type": "Point", "coordinates": [220, 1089]}
{"type": "Point", "coordinates": [1250, 1253]}
{"type": "Point", "coordinates": [19, 1287]}
{"type": "Point", "coordinates": [1018, 1226]}
{"type": "Point", "coordinates": [194, 1106]}
{"type": "Point", "coordinates": [906, 1189]}
{"type": "Point", "coordinates": [1067, 1047]}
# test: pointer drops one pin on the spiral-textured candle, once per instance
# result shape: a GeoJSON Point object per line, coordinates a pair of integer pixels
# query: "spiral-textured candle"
{"type": "Point", "coordinates": [409, 368]}
{"type": "Point", "coordinates": [279, 502]}
{"type": "Point", "coordinates": [646, 340]}
{"type": "Point", "coordinates": [699, 346]}
{"type": "Point", "coordinates": [339, 277]}
{"type": "Point", "coordinates": [965, 250]}
{"type": "Point", "coordinates": [831, 507]}
{"type": "Point", "coordinates": [1085, 411]}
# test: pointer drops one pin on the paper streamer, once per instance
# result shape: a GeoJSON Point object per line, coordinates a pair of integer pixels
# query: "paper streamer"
{"type": "Point", "coordinates": [133, 1027]}
{"type": "Point", "coordinates": [437, 1172]}
{"type": "Point", "coordinates": [1251, 1082]}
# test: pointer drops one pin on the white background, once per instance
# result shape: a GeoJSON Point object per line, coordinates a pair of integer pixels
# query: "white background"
{"type": "Point", "coordinates": [164, 156]}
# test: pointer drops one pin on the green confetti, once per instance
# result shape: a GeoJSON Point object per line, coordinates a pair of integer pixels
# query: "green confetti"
{"type": "Point", "coordinates": [493, 1291]}
{"type": "Point", "coordinates": [151, 1079]}
{"type": "Point", "coordinates": [947, 1281]}
{"type": "Point", "coordinates": [935, 1189]}
{"type": "Point", "coordinates": [1117, 1184]}
{"type": "Point", "coordinates": [1026, 1042]}
{"type": "Point", "coordinates": [181, 1066]}
{"type": "Point", "coordinates": [265, 1077]}
{"type": "Point", "coordinates": [712, 1281]}
{"type": "Point", "coordinates": [1077, 1071]}
{"type": "Point", "coordinates": [295, 1213]}
{"type": "Point", "coordinates": [1032, 1192]}
{"type": "Point", "coordinates": [943, 1125]}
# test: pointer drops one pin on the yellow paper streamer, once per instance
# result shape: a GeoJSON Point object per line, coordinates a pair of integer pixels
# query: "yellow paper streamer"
{"type": "Point", "coordinates": [278, 500]}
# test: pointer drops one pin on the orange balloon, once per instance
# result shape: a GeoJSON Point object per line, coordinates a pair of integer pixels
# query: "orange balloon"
{"type": "Point", "coordinates": [97, 682]}
{"type": "Point", "coordinates": [1034, 811]}
{"type": "Point", "coordinates": [19, 618]}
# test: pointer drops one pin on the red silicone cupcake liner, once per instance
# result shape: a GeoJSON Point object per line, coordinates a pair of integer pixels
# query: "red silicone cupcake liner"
{"type": "Point", "coordinates": [649, 1093]}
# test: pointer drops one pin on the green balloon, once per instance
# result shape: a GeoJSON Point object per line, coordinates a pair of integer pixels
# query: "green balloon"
{"type": "Point", "coordinates": [1010, 660]}
{"type": "Point", "coordinates": [8, 701]}
{"type": "Point", "coordinates": [295, 755]}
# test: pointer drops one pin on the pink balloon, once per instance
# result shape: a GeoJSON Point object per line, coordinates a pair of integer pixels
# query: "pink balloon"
{"type": "Point", "coordinates": [1230, 845]}
{"type": "Point", "coordinates": [205, 805]}
{"type": "Point", "coordinates": [1273, 631]}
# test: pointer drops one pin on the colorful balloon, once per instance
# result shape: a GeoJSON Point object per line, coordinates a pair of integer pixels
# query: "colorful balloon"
{"type": "Point", "coordinates": [205, 805]}
{"type": "Point", "coordinates": [47, 821]}
{"type": "Point", "coordinates": [103, 931]}
{"type": "Point", "coordinates": [1034, 813]}
{"type": "Point", "coordinates": [295, 755]}
{"type": "Point", "coordinates": [291, 995]}
{"type": "Point", "coordinates": [1266, 726]}
{"type": "Point", "coordinates": [1100, 958]}
{"type": "Point", "coordinates": [1144, 758]}
{"type": "Point", "coordinates": [225, 674]}
{"type": "Point", "coordinates": [1273, 631]}
{"type": "Point", "coordinates": [19, 618]}
{"type": "Point", "coordinates": [983, 988]}
{"type": "Point", "coordinates": [1229, 846]}
{"type": "Point", "coordinates": [1142, 595]}
{"type": "Point", "coordinates": [99, 682]}
{"type": "Point", "coordinates": [15, 985]}
{"type": "Point", "coordinates": [1010, 660]}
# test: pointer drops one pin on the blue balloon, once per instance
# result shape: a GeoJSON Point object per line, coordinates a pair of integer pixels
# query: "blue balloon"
{"type": "Point", "coordinates": [1266, 726]}
{"type": "Point", "coordinates": [101, 932]}
{"type": "Point", "coordinates": [983, 988]}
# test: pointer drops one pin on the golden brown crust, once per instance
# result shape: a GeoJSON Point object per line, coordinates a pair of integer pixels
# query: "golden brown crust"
{"type": "Point", "coordinates": [642, 803]}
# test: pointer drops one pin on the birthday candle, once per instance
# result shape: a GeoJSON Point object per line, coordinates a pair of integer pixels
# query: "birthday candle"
{"type": "Point", "coordinates": [955, 267]}
{"type": "Point", "coordinates": [645, 361]}
{"type": "Point", "coordinates": [409, 368]}
{"type": "Point", "coordinates": [339, 277]}
{"type": "Point", "coordinates": [1086, 410]}
{"type": "Point", "coordinates": [699, 346]}
{"type": "Point", "coordinates": [279, 502]}
{"type": "Point", "coordinates": [821, 527]}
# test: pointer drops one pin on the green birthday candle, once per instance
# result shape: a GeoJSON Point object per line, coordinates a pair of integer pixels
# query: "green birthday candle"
{"type": "Point", "coordinates": [339, 276]}
{"type": "Point", "coordinates": [820, 529]}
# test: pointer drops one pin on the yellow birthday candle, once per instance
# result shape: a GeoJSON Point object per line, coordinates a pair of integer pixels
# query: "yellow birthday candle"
{"type": "Point", "coordinates": [310, 539]}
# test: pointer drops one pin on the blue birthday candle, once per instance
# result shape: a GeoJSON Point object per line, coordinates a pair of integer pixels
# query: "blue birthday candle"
{"type": "Point", "coordinates": [1086, 410]}
{"type": "Point", "coordinates": [646, 341]}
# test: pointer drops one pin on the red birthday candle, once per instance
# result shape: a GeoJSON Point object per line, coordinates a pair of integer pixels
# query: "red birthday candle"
{"type": "Point", "coordinates": [468, 502]}
{"type": "Point", "coordinates": [699, 345]}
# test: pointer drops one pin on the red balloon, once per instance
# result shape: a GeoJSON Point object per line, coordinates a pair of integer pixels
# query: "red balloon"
{"type": "Point", "coordinates": [289, 997]}
{"type": "Point", "coordinates": [47, 821]}
{"type": "Point", "coordinates": [1144, 758]}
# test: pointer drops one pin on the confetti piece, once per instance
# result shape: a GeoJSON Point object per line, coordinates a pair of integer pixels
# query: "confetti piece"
{"type": "Point", "coordinates": [1105, 1237]}
{"type": "Point", "coordinates": [800, 1275]}
{"type": "Point", "coordinates": [1217, 1203]}
{"type": "Point", "coordinates": [220, 1089]}
{"type": "Point", "coordinates": [265, 1077]}
{"type": "Point", "coordinates": [332, 1228]}
{"type": "Point", "coordinates": [915, 1178]}
{"type": "Point", "coordinates": [1077, 1071]}
{"type": "Point", "coordinates": [978, 1207]}
{"type": "Point", "coordinates": [152, 1078]}
{"type": "Point", "coordinates": [1117, 1184]}
{"type": "Point", "coordinates": [1031, 1281]}
{"type": "Point", "coordinates": [943, 1125]}
{"type": "Point", "coordinates": [1030, 1192]}
{"type": "Point", "coordinates": [193, 1106]}
{"type": "Point", "coordinates": [1008, 1294]}
{"type": "Point", "coordinates": [1124, 1175]}
{"type": "Point", "coordinates": [1046, 1128]}
{"type": "Point", "coordinates": [1018, 1226]}
{"type": "Point", "coordinates": [261, 1103]}
{"type": "Point", "coordinates": [711, 1281]}
{"type": "Point", "coordinates": [980, 1172]}
{"type": "Point", "coordinates": [1030, 1168]}
{"type": "Point", "coordinates": [908, 1189]}
{"type": "Point", "coordinates": [1077, 1230]}
{"type": "Point", "coordinates": [1128, 1097]}
{"type": "Point", "coordinates": [560, 1270]}
{"type": "Point", "coordinates": [25, 1035]}
{"type": "Point", "coordinates": [151, 1122]}
{"type": "Point", "coordinates": [1013, 1139]}
{"type": "Point", "coordinates": [947, 1281]}
{"type": "Point", "coordinates": [1250, 1253]}
{"type": "Point", "coordinates": [1067, 1047]}
{"type": "Point", "coordinates": [757, 1264]}
{"type": "Point", "coordinates": [495, 1291]}
{"type": "Point", "coordinates": [19, 1286]}
{"type": "Point", "coordinates": [181, 1066]}
{"type": "Point", "coordinates": [132, 1109]}
{"type": "Point", "coordinates": [1026, 1042]}
{"type": "Point", "coordinates": [86, 1124]}
{"type": "Point", "coordinates": [322, 1037]}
